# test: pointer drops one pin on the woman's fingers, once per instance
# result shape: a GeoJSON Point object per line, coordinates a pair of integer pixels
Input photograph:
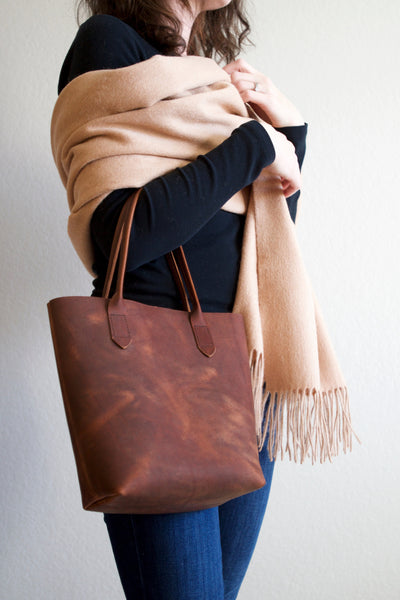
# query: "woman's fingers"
{"type": "Point", "coordinates": [265, 98]}
{"type": "Point", "coordinates": [289, 188]}
{"type": "Point", "coordinates": [239, 65]}
{"type": "Point", "coordinates": [249, 81]}
{"type": "Point", "coordinates": [245, 77]}
{"type": "Point", "coordinates": [285, 165]}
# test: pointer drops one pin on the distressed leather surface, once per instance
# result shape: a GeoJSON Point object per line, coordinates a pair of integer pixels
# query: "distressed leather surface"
{"type": "Point", "coordinates": [156, 427]}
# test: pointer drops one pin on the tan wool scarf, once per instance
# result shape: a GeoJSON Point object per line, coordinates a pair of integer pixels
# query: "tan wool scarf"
{"type": "Point", "coordinates": [122, 128]}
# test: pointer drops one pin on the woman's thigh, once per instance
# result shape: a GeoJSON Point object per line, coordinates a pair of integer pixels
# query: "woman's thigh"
{"type": "Point", "coordinates": [240, 523]}
{"type": "Point", "coordinates": [168, 557]}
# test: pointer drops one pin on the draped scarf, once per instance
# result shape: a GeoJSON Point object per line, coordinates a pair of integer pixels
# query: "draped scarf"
{"type": "Point", "coordinates": [121, 128]}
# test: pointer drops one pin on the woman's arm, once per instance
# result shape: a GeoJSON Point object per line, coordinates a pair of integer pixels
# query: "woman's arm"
{"type": "Point", "coordinates": [174, 207]}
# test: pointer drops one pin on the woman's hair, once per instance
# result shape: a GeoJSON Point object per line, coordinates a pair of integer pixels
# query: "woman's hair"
{"type": "Point", "coordinates": [218, 34]}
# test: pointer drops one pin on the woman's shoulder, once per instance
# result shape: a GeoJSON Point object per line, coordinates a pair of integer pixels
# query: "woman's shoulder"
{"type": "Point", "coordinates": [103, 42]}
{"type": "Point", "coordinates": [106, 28]}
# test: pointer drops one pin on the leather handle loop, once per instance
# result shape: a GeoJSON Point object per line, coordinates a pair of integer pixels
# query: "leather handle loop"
{"type": "Point", "coordinates": [199, 326]}
{"type": "Point", "coordinates": [118, 321]}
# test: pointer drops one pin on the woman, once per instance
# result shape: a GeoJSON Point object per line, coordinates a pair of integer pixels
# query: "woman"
{"type": "Point", "coordinates": [203, 554]}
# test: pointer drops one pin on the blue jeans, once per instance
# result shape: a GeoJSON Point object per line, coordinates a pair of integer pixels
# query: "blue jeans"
{"type": "Point", "coordinates": [201, 555]}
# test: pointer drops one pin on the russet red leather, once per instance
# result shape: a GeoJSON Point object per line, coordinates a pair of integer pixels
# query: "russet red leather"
{"type": "Point", "coordinates": [158, 401]}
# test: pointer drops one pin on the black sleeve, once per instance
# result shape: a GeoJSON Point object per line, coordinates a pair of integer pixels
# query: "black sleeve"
{"type": "Point", "coordinates": [297, 135]}
{"type": "Point", "coordinates": [173, 208]}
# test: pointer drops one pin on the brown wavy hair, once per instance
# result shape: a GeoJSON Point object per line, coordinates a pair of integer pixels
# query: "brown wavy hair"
{"type": "Point", "coordinates": [218, 34]}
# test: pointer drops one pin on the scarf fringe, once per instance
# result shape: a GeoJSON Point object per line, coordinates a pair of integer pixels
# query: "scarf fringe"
{"type": "Point", "coordinates": [304, 424]}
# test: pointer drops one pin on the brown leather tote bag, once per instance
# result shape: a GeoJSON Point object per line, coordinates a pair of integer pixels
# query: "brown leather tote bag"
{"type": "Point", "coordinates": [158, 401]}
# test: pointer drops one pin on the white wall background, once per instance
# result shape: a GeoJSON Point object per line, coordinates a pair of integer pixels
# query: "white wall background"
{"type": "Point", "coordinates": [331, 532]}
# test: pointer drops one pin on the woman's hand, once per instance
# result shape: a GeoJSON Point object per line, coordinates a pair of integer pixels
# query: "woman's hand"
{"type": "Point", "coordinates": [285, 166]}
{"type": "Point", "coordinates": [262, 95]}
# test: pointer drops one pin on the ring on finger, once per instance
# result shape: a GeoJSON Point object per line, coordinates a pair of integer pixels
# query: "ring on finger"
{"type": "Point", "coordinates": [257, 87]}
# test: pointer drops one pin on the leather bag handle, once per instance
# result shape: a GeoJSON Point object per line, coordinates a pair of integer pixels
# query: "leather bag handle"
{"type": "Point", "coordinates": [115, 248]}
{"type": "Point", "coordinates": [119, 327]}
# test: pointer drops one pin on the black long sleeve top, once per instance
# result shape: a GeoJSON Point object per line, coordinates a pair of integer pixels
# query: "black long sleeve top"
{"type": "Point", "coordinates": [182, 207]}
